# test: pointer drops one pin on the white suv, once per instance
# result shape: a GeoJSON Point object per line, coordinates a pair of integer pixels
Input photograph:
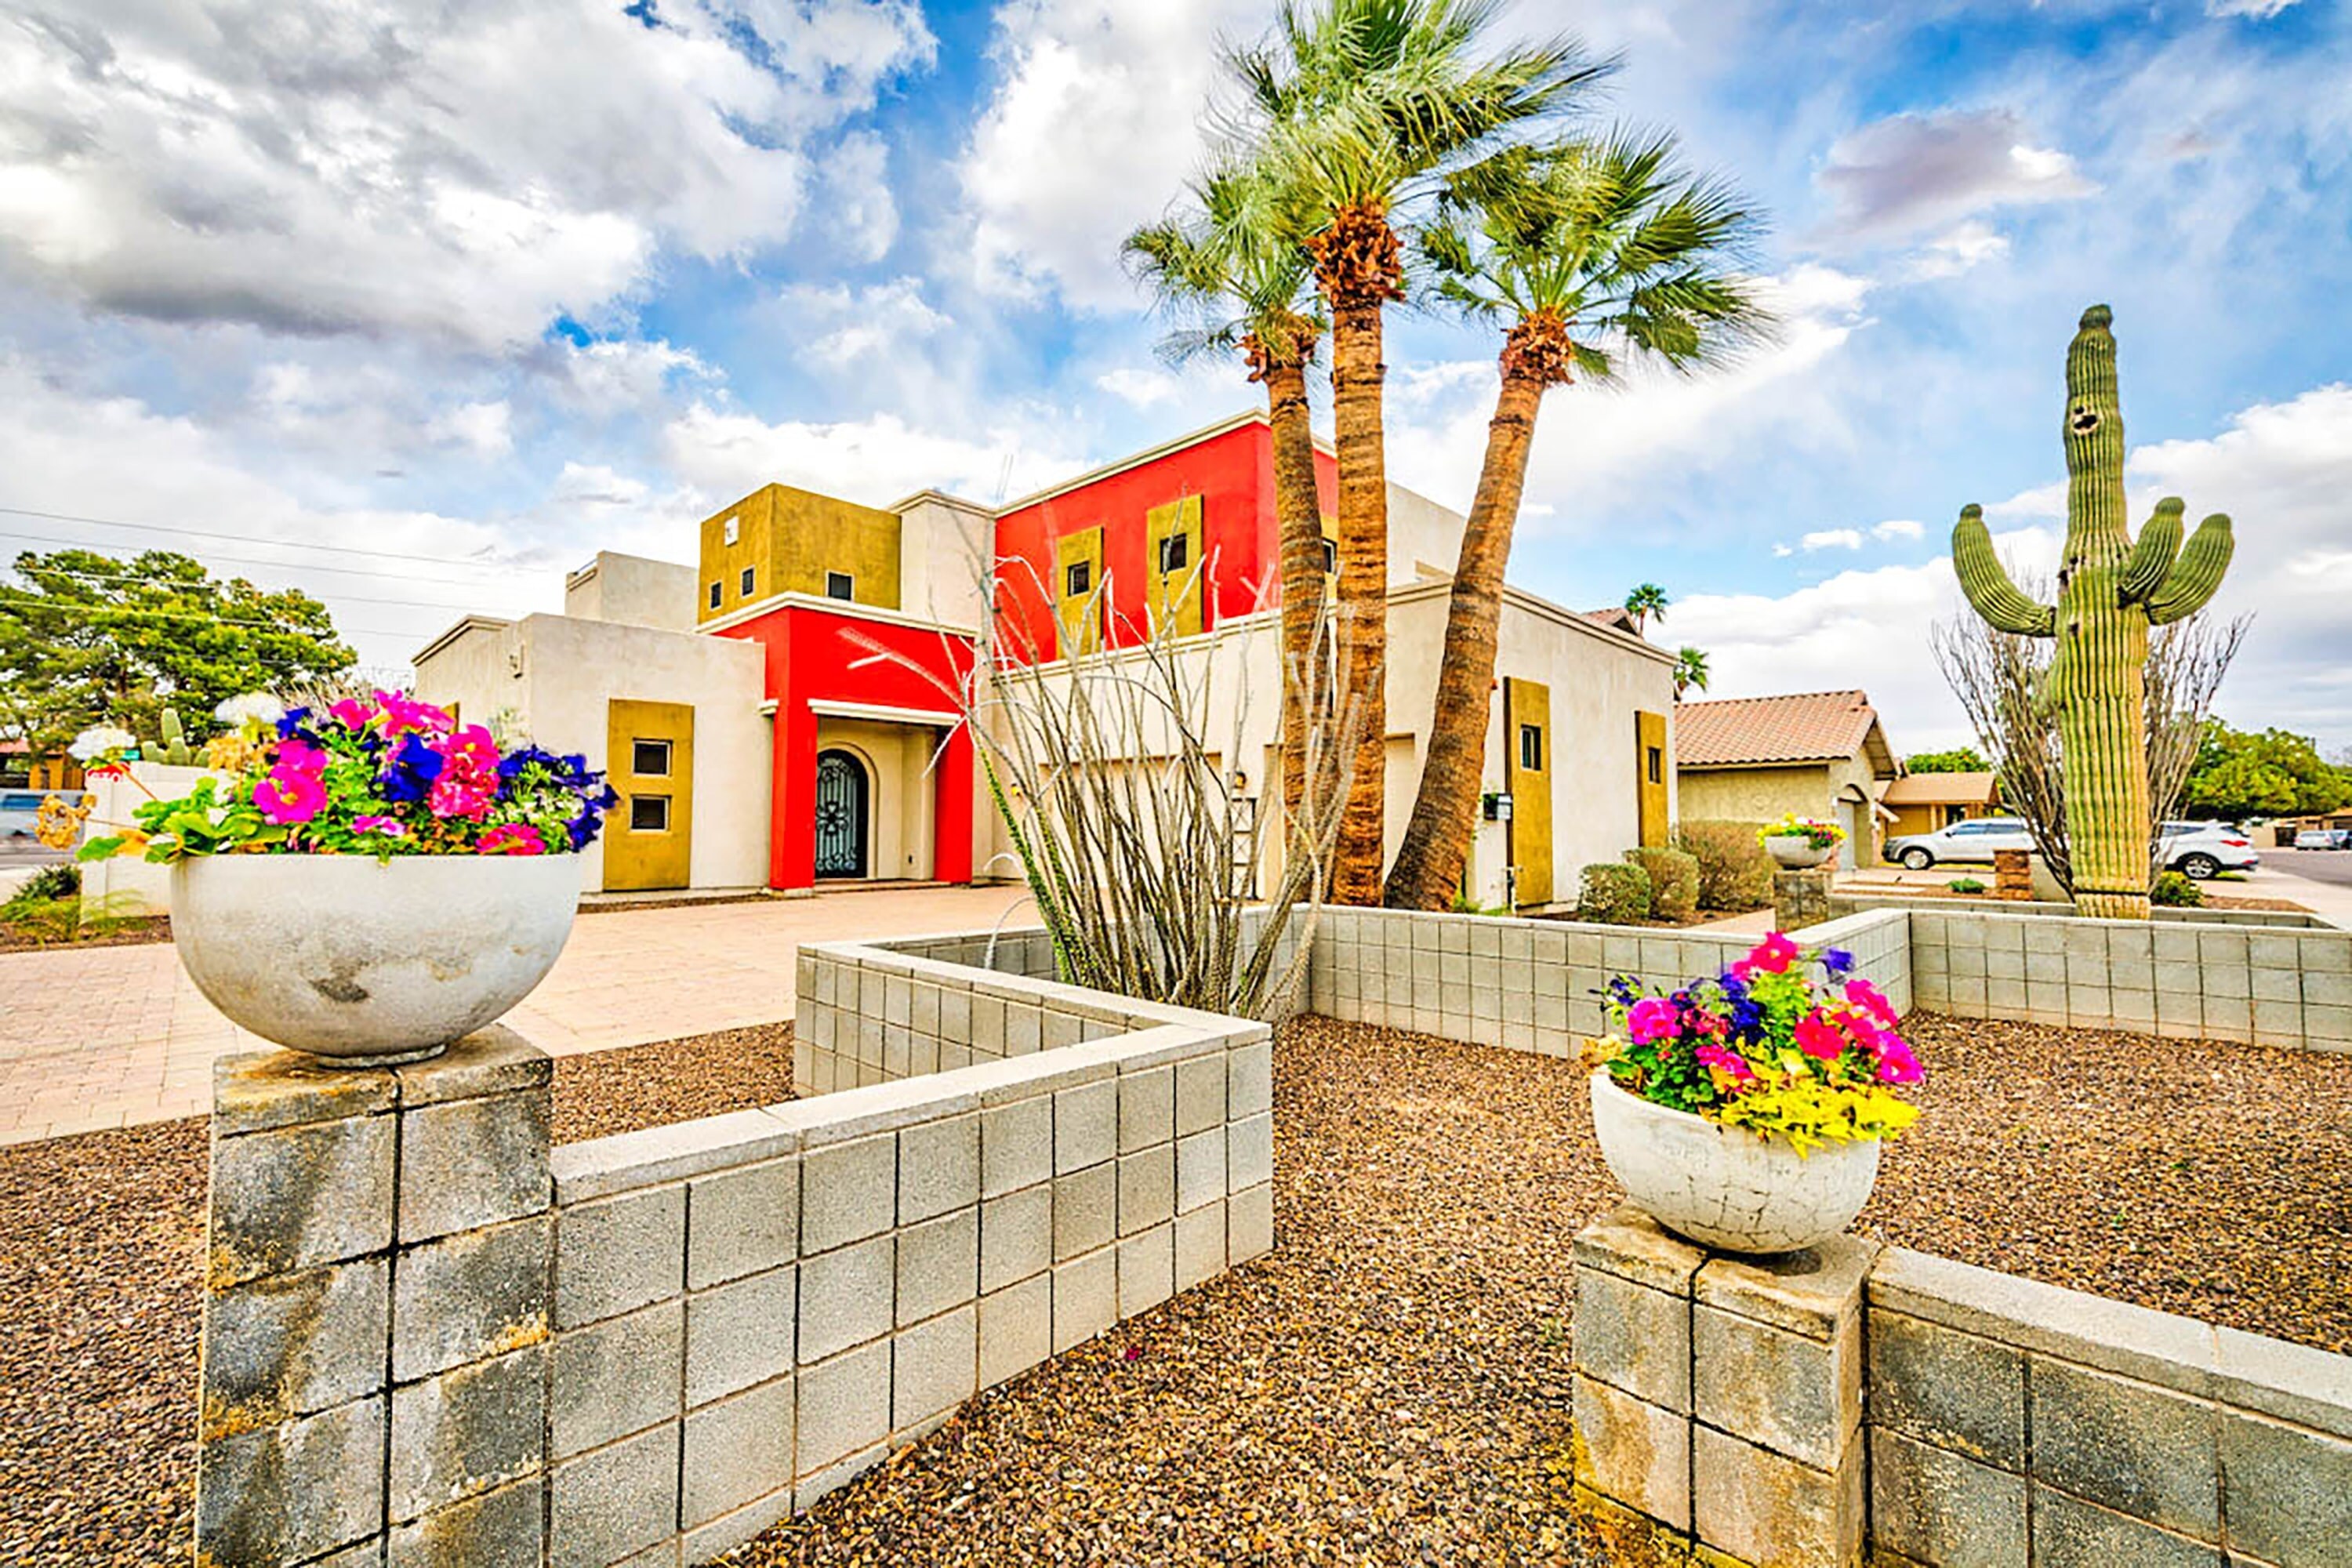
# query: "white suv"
{"type": "Point", "coordinates": [2198, 849]}
{"type": "Point", "coordinates": [1974, 840]}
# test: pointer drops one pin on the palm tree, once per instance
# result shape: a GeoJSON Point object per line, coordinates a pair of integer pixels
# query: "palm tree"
{"type": "Point", "coordinates": [1690, 670]}
{"type": "Point", "coordinates": [1588, 255]}
{"type": "Point", "coordinates": [1360, 108]}
{"type": "Point", "coordinates": [1644, 601]}
{"type": "Point", "coordinates": [1223, 267]}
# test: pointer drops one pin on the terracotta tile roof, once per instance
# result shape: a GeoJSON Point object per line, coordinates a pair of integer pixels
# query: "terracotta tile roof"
{"type": "Point", "coordinates": [1942, 789]}
{"type": "Point", "coordinates": [1812, 726]}
{"type": "Point", "coordinates": [1616, 617]}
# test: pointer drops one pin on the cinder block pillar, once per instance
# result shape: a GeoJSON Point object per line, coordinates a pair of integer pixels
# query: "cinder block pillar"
{"type": "Point", "coordinates": [1801, 899]}
{"type": "Point", "coordinates": [1719, 1397]}
{"type": "Point", "coordinates": [376, 1310]}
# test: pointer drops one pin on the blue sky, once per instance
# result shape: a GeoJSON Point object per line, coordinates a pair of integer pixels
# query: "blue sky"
{"type": "Point", "coordinates": [485, 289]}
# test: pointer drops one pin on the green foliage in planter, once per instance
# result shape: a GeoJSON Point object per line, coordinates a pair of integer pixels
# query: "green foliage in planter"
{"type": "Point", "coordinates": [2174, 890]}
{"type": "Point", "coordinates": [1734, 871]}
{"type": "Point", "coordinates": [1673, 881]}
{"type": "Point", "coordinates": [48, 882]}
{"type": "Point", "coordinates": [1965, 885]}
{"type": "Point", "coordinates": [1613, 895]}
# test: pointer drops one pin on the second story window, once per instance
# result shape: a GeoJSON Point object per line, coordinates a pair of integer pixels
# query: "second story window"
{"type": "Point", "coordinates": [840, 585]}
{"type": "Point", "coordinates": [1078, 580]}
{"type": "Point", "coordinates": [750, 576]}
{"type": "Point", "coordinates": [732, 529]}
{"type": "Point", "coordinates": [715, 591]}
{"type": "Point", "coordinates": [1174, 551]}
{"type": "Point", "coordinates": [1531, 748]}
{"type": "Point", "coordinates": [1330, 556]}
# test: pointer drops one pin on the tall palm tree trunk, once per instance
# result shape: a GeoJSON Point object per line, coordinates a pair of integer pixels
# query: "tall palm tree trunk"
{"type": "Point", "coordinates": [1445, 810]}
{"type": "Point", "coordinates": [1299, 519]}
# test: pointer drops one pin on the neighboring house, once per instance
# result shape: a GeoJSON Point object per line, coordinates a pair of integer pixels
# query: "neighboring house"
{"type": "Point", "coordinates": [1922, 803]}
{"type": "Point", "coordinates": [1819, 754]}
{"type": "Point", "coordinates": [775, 714]}
{"type": "Point", "coordinates": [19, 769]}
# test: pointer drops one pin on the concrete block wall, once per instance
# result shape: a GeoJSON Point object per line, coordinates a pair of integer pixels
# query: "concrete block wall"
{"type": "Point", "coordinates": [1535, 985]}
{"type": "Point", "coordinates": [2015, 1422]}
{"type": "Point", "coordinates": [2281, 987]}
{"type": "Point", "coordinates": [1856, 1402]}
{"type": "Point", "coordinates": [1848, 903]}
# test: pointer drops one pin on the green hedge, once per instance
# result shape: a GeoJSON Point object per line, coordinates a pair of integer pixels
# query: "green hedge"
{"type": "Point", "coordinates": [1673, 881]}
{"type": "Point", "coordinates": [1614, 894]}
{"type": "Point", "coordinates": [1734, 871]}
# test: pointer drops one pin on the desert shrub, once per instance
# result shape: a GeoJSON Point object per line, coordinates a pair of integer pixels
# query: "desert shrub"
{"type": "Point", "coordinates": [1965, 885]}
{"type": "Point", "coordinates": [48, 882]}
{"type": "Point", "coordinates": [1734, 871]}
{"type": "Point", "coordinates": [1613, 895]}
{"type": "Point", "coordinates": [1673, 881]}
{"type": "Point", "coordinates": [2176, 891]}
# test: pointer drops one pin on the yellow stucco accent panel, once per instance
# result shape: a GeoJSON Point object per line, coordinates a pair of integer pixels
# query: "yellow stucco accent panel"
{"type": "Point", "coordinates": [1173, 560]}
{"type": "Point", "coordinates": [1079, 603]}
{"type": "Point", "coordinates": [649, 759]}
{"type": "Point", "coordinates": [1527, 741]}
{"type": "Point", "coordinates": [1651, 766]}
{"type": "Point", "coordinates": [790, 540]}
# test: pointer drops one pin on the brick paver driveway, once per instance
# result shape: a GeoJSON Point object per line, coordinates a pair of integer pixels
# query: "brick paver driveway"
{"type": "Point", "coordinates": [112, 1036]}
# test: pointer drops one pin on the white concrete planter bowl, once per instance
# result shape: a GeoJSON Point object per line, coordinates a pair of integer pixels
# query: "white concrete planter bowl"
{"type": "Point", "coordinates": [1725, 1187]}
{"type": "Point", "coordinates": [1795, 852]}
{"type": "Point", "coordinates": [368, 963]}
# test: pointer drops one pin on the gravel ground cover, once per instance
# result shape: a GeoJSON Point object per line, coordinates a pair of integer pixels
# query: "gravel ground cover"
{"type": "Point", "coordinates": [1389, 1387]}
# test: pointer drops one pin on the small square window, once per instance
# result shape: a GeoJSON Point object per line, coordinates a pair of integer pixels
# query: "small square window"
{"type": "Point", "coordinates": [1657, 765]}
{"type": "Point", "coordinates": [1079, 580]}
{"type": "Point", "coordinates": [649, 759]}
{"type": "Point", "coordinates": [1174, 551]}
{"type": "Point", "coordinates": [1330, 556]}
{"type": "Point", "coordinates": [1531, 748]}
{"type": "Point", "coordinates": [649, 813]}
{"type": "Point", "coordinates": [733, 530]}
{"type": "Point", "coordinates": [715, 590]}
{"type": "Point", "coordinates": [750, 576]}
{"type": "Point", "coordinates": [840, 585]}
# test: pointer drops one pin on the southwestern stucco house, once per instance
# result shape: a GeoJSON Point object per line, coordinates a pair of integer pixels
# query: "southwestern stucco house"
{"type": "Point", "coordinates": [758, 740]}
{"type": "Point", "coordinates": [1818, 753]}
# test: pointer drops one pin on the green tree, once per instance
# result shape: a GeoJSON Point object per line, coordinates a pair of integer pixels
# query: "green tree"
{"type": "Point", "coordinates": [2276, 772]}
{"type": "Point", "coordinates": [86, 638]}
{"type": "Point", "coordinates": [1585, 255]}
{"type": "Point", "coordinates": [1690, 670]}
{"type": "Point", "coordinates": [1958, 759]}
{"type": "Point", "coordinates": [1647, 599]}
{"type": "Point", "coordinates": [1357, 111]}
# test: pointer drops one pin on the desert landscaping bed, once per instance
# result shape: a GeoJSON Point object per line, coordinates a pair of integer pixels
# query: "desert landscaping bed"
{"type": "Point", "coordinates": [1389, 1385]}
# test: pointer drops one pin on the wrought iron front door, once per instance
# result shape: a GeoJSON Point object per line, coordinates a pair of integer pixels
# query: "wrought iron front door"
{"type": "Point", "coordinates": [840, 815]}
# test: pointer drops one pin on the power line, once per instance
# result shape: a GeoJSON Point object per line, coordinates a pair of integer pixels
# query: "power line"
{"type": "Point", "coordinates": [327, 593]}
{"type": "Point", "coordinates": [376, 572]}
{"type": "Point", "coordinates": [249, 538]}
{"type": "Point", "coordinates": [36, 600]}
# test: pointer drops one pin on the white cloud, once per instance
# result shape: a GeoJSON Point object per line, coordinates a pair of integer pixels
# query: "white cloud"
{"type": "Point", "coordinates": [1089, 133]}
{"type": "Point", "coordinates": [874, 460]}
{"type": "Point", "coordinates": [1914, 172]}
{"type": "Point", "coordinates": [466, 175]}
{"type": "Point", "coordinates": [1900, 528]}
{"type": "Point", "coordinates": [1143, 388]}
{"type": "Point", "coordinates": [2258, 10]}
{"type": "Point", "coordinates": [870, 321]}
{"type": "Point", "coordinates": [1960, 248]}
{"type": "Point", "coordinates": [484, 430]}
{"type": "Point", "coordinates": [1831, 539]}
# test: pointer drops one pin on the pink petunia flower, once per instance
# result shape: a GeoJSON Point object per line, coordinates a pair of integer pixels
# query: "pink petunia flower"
{"type": "Point", "coordinates": [1872, 1000]}
{"type": "Point", "coordinates": [512, 838]}
{"type": "Point", "coordinates": [402, 714]}
{"type": "Point", "coordinates": [1895, 1062]}
{"type": "Point", "coordinates": [1731, 1064]}
{"type": "Point", "coordinates": [299, 757]}
{"type": "Point", "coordinates": [1650, 1018]}
{"type": "Point", "coordinates": [289, 796]}
{"type": "Point", "coordinates": [390, 826]}
{"type": "Point", "coordinates": [1819, 1038]}
{"type": "Point", "coordinates": [1774, 954]}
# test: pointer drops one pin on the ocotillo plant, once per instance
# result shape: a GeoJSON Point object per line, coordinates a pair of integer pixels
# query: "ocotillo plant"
{"type": "Point", "coordinates": [2110, 591]}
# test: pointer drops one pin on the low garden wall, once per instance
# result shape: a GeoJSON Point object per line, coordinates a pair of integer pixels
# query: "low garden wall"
{"type": "Point", "coordinates": [1849, 903]}
{"type": "Point", "coordinates": [1805, 1410]}
{"type": "Point", "coordinates": [428, 1338]}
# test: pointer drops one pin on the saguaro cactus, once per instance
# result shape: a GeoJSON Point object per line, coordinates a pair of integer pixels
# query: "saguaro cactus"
{"type": "Point", "coordinates": [2110, 591]}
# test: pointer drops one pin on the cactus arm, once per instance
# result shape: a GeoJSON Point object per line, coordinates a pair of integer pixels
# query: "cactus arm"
{"type": "Point", "coordinates": [2151, 558]}
{"type": "Point", "coordinates": [2197, 575]}
{"type": "Point", "coordinates": [1987, 586]}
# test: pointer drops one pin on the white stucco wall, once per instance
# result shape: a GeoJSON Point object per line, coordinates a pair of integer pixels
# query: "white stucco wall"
{"type": "Point", "coordinates": [633, 590]}
{"type": "Point", "coordinates": [945, 548]}
{"type": "Point", "coordinates": [127, 885]}
{"type": "Point", "coordinates": [557, 694]}
{"type": "Point", "coordinates": [1424, 538]}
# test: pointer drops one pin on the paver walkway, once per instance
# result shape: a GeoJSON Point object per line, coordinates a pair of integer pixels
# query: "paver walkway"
{"type": "Point", "coordinates": [113, 1037]}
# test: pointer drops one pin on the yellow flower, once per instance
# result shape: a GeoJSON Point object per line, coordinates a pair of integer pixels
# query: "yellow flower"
{"type": "Point", "coordinates": [58, 826]}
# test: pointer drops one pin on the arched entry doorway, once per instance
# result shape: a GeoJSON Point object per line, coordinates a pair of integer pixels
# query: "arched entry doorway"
{"type": "Point", "coordinates": [843, 811]}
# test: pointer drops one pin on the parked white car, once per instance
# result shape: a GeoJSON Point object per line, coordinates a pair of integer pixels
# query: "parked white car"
{"type": "Point", "coordinates": [2323, 838]}
{"type": "Point", "coordinates": [1976, 839]}
{"type": "Point", "coordinates": [2199, 849]}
